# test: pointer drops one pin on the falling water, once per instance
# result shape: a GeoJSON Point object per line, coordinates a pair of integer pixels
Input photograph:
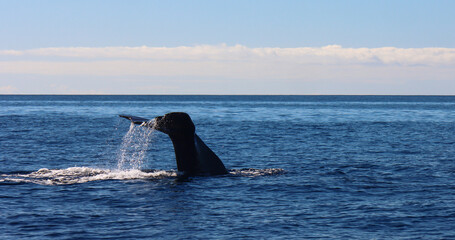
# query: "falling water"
{"type": "Point", "coordinates": [134, 147]}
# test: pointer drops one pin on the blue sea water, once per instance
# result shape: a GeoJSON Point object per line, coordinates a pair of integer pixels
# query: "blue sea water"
{"type": "Point", "coordinates": [300, 167]}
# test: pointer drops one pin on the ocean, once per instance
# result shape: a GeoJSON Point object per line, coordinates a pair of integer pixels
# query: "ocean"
{"type": "Point", "coordinates": [300, 167]}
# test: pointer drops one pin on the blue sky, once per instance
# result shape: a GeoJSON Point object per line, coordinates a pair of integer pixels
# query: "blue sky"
{"type": "Point", "coordinates": [227, 47]}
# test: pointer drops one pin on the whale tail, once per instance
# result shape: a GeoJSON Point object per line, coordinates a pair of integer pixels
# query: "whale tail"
{"type": "Point", "coordinates": [193, 156]}
{"type": "Point", "coordinates": [135, 120]}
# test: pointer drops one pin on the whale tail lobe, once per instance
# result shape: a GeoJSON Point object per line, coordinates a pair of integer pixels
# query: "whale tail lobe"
{"type": "Point", "coordinates": [209, 162]}
{"type": "Point", "coordinates": [135, 120]}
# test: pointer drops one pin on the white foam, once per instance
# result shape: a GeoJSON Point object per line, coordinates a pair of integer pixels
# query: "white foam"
{"type": "Point", "coordinates": [76, 175]}
{"type": "Point", "coordinates": [251, 172]}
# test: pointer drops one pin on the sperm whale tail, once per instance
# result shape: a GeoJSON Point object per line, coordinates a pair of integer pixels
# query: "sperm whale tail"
{"type": "Point", "coordinates": [135, 120]}
{"type": "Point", "coordinates": [192, 155]}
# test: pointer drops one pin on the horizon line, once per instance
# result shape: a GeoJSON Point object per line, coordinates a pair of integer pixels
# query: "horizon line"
{"type": "Point", "coordinates": [208, 94]}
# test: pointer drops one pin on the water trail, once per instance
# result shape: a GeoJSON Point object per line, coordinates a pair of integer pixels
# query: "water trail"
{"type": "Point", "coordinates": [134, 147]}
{"type": "Point", "coordinates": [77, 175]}
{"type": "Point", "coordinates": [251, 172]}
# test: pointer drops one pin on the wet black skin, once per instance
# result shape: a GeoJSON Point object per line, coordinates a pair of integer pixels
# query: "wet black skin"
{"type": "Point", "coordinates": [192, 154]}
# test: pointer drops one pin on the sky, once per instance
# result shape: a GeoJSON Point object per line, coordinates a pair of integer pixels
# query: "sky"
{"type": "Point", "coordinates": [227, 47]}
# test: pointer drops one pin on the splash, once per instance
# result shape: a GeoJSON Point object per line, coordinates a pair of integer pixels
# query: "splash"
{"type": "Point", "coordinates": [77, 175]}
{"type": "Point", "coordinates": [134, 147]}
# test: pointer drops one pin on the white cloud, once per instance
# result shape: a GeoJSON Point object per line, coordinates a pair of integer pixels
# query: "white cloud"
{"type": "Point", "coordinates": [8, 89]}
{"type": "Point", "coordinates": [237, 68]}
{"type": "Point", "coordinates": [332, 54]}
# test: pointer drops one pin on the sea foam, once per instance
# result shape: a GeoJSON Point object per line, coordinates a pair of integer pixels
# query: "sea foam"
{"type": "Point", "coordinates": [77, 175]}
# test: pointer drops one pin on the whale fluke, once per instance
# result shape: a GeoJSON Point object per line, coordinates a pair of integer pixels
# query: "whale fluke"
{"type": "Point", "coordinates": [134, 119]}
{"type": "Point", "coordinates": [192, 155]}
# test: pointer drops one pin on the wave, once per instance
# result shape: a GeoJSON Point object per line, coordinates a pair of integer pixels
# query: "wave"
{"type": "Point", "coordinates": [77, 175]}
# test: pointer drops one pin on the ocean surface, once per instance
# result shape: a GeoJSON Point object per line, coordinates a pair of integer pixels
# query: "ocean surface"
{"type": "Point", "coordinates": [300, 167]}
